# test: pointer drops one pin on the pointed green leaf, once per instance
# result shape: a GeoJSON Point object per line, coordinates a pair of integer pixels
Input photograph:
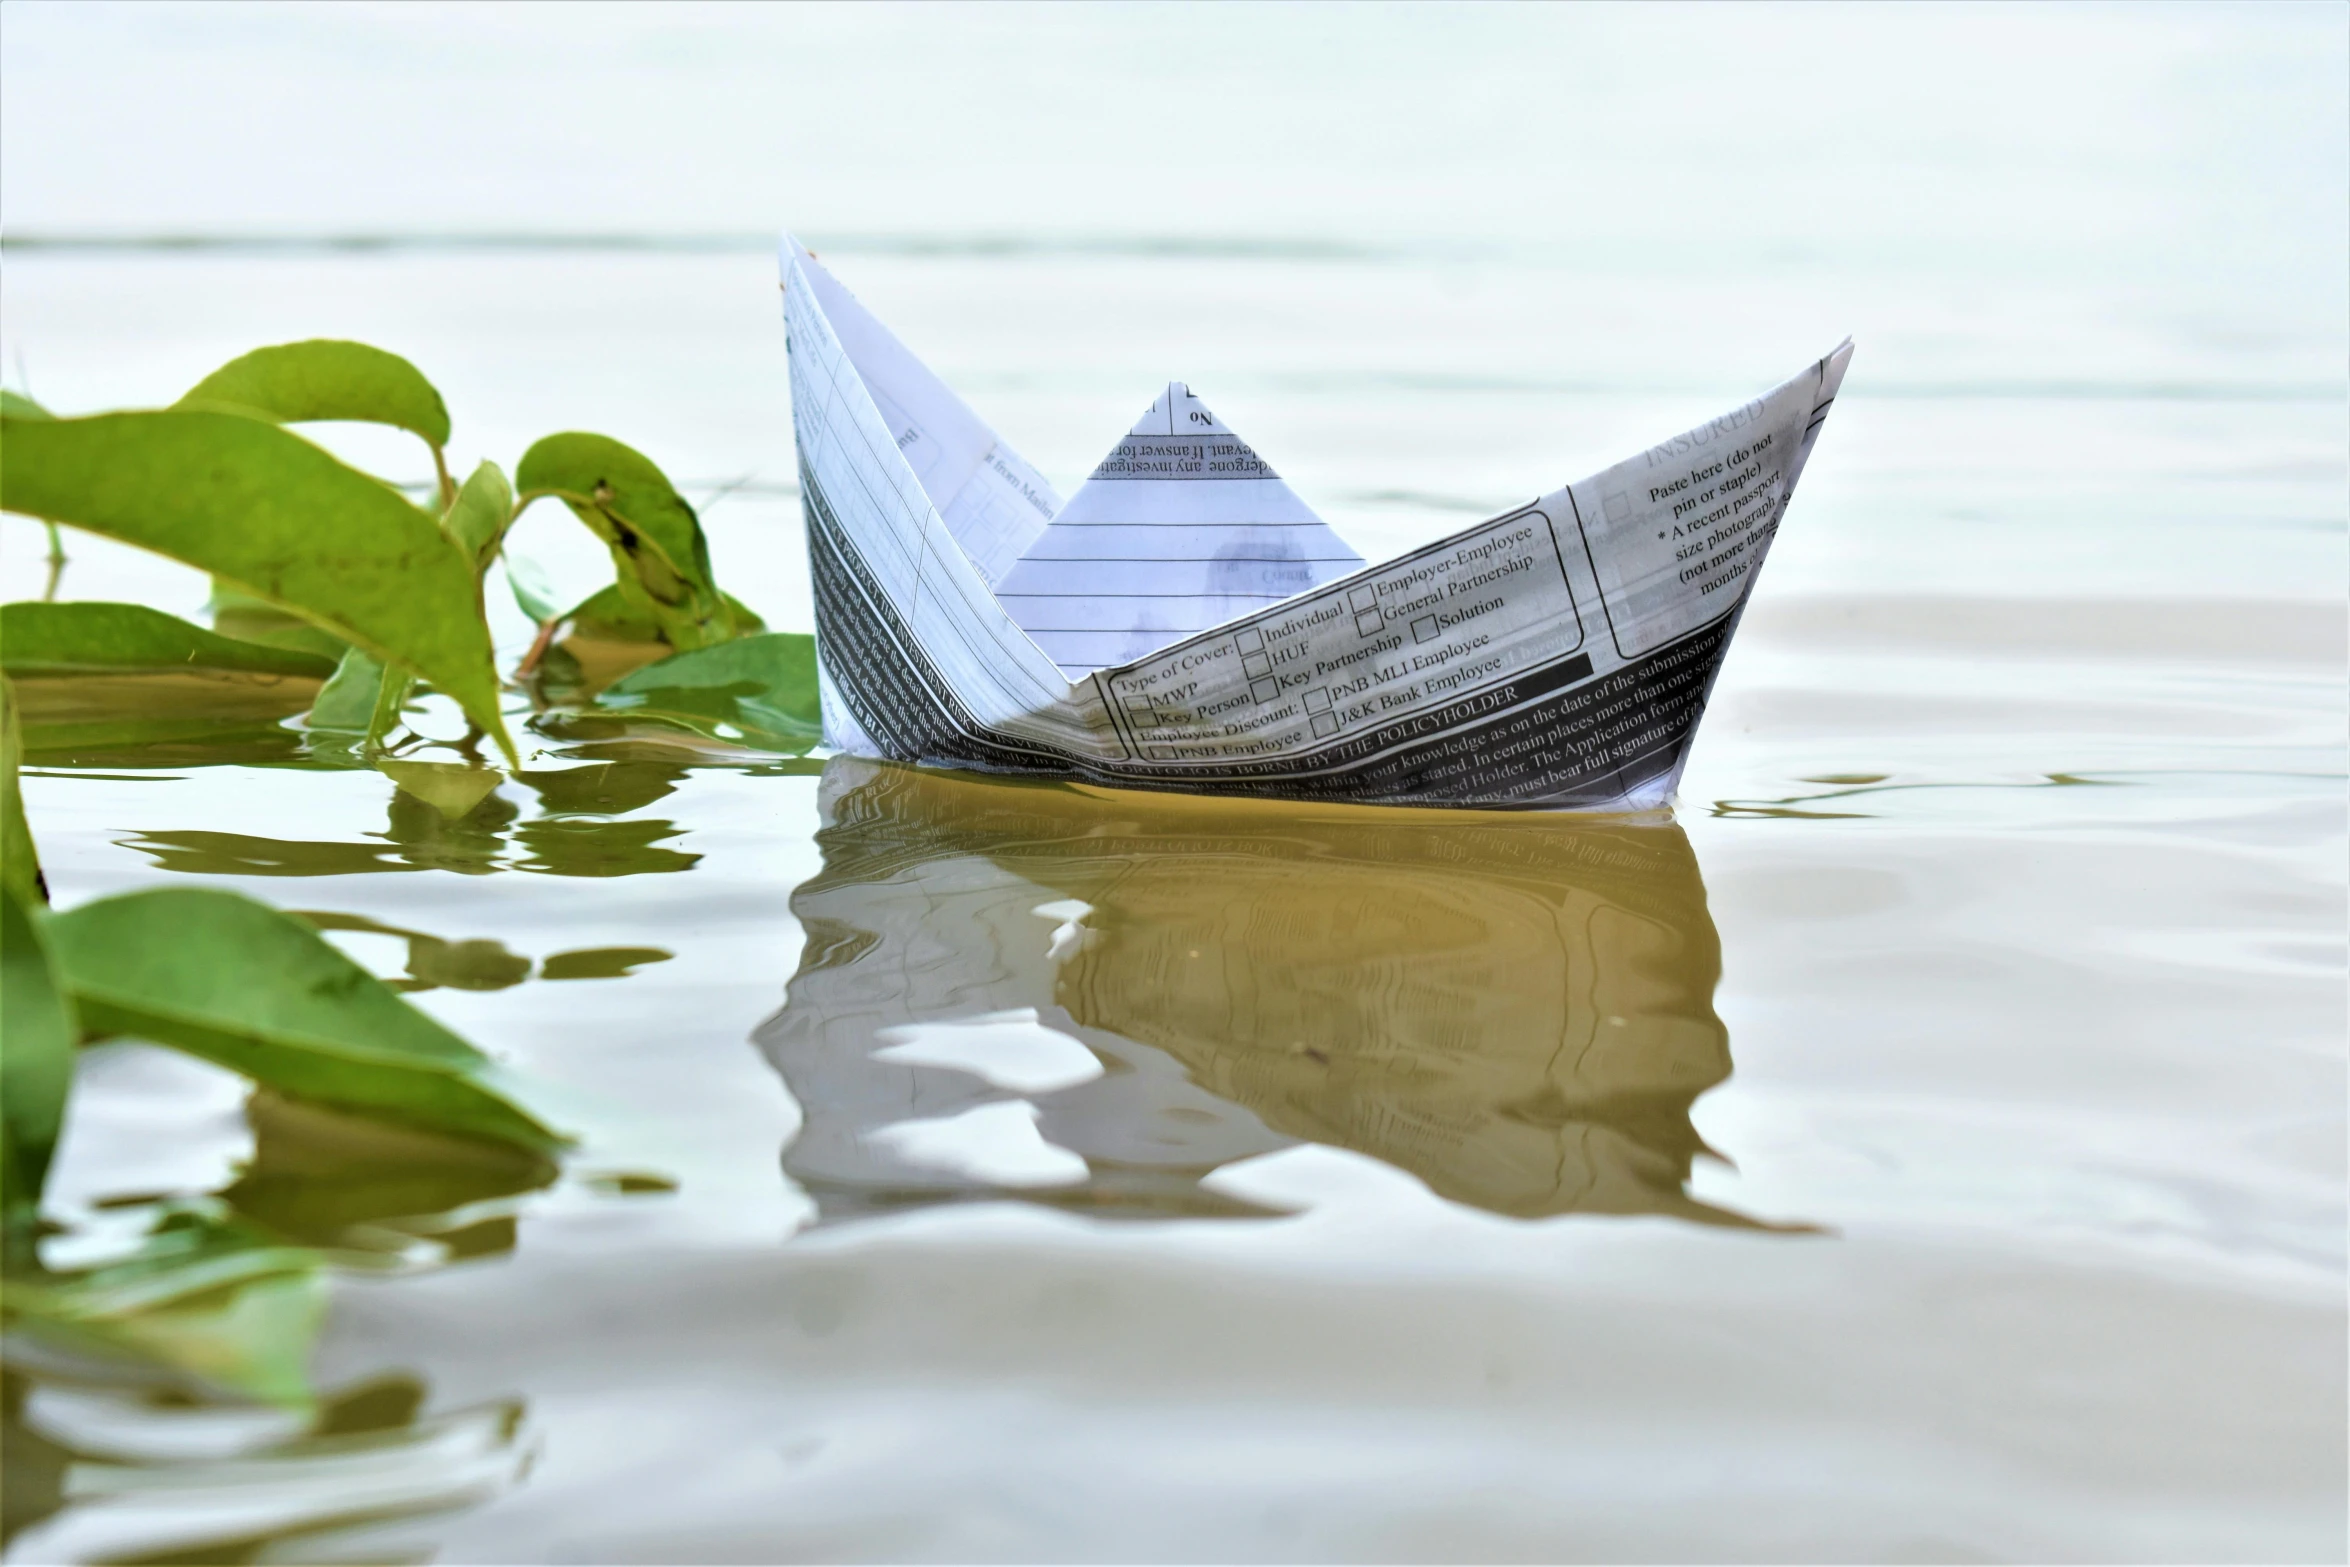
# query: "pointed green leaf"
{"type": "Point", "coordinates": [248, 619]}
{"type": "Point", "coordinates": [322, 379]}
{"type": "Point", "coordinates": [611, 615]}
{"type": "Point", "coordinates": [261, 993]}
{"type": "Point", "coordinates": [97, 638]}
{"type": "Point", "coordinates": [18, 406]}
{"type": "Point", "coordinates": [451, 788]}
{"type": "Point", "coordinates": [534, 594]}
{"type": "Point", "coordinates": [347, 700]}
{"type": "Point", "coordinates": [657, 547]}
{"type": "Point", "coordinates": [279, 519]}
{"type": "Point", "coordinates": [477, 520]}
{"type": "Point", "coordinates": [36, 1064]}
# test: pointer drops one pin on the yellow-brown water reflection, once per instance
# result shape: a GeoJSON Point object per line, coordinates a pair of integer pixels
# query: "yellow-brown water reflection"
{"type": "Point", "coordinates": [363, 1188]}
{"type": "Point", "coordinates": [1515, 1009]}
{"type": "Point", "coordinates": [576, 834]}
{"type": "Point", "coordinates": [148, 719]}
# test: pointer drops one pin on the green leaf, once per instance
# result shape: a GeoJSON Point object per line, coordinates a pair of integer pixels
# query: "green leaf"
{"type": "Point", "coordinates": [534, 594]}
{"type": "Point", "coordinates": [36, 1067]}
{"type": "Point", "coordinates": [451, 788]}
{"type": "Point", "coordinates": [217, 1300]}
{"type": "Point", "coordinates": [391, 700]}
{"type": "Point", "coordinates": [477, 520]}
{"type": "Point", "coordinates": [279, 519]}
{"type": "Point", "coordinates": [249, 619]}
{"type": "Point", "coordinates": [20, 864]}
{"type": "Point", "coordinates": [657, 547]}
{"type": "Point", "coordinates": [347, 701]}
{"type": "Point", "coordinates": [97, 638]}
{"type": "Point", "coordinates": [16, 405]}
{"type": "Point", "coordinates": [364, 699]}
{"type": "Point", "coordinates": [609, 615]}
{"type": "Point", "coordinates": [761, 687]}
{"type": "Point", "coordinates": [322, 379]}
{"type": "Point", "coordinates": [260, 993]}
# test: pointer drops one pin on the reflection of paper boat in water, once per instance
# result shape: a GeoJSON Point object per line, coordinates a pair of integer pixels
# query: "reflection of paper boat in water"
{"type": "Point", "coordinates": [1123, 993]}
{"type": "Point", "coordinates": [1184, 621]}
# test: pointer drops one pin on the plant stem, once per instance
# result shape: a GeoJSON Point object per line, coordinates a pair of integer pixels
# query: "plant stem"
{"type": "Point", "coordinates": [390, 696]}
{"type": "Point", "coordinates": [538, 648]}
{"type": "Point", "coordinates": [56, 560]}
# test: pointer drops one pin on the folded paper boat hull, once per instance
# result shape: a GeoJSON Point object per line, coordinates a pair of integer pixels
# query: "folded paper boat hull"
{"type": "Point", "coordinates": [1557, 656]}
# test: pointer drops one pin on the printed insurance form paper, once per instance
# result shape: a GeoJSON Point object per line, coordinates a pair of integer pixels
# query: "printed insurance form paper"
{"type": "Point", "coordinates": [1184, 620]}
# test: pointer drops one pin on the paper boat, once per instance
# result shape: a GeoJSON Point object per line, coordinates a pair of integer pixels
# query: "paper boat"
{"type": "Point", "coordinates": [1185, 621]}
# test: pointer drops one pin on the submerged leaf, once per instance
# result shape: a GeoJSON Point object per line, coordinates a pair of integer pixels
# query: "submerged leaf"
{"type": "Point", "coordinates": [261, 993]}
{"type": "Point", "coordinates": [323, 379]}
{"type": "Point", "coordinates": [658, 551]}
{"type": "Point", "coordinates": [277, 518]}
{"type": "Point", "coordinates": [96, 638]}
{"type": "Point", "coordinates": [36, 1067]}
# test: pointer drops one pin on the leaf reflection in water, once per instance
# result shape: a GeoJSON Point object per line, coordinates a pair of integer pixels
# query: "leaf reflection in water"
{"type": "Point", "coordinates": [569, 839]}
{"type": "Point", "coordinates": [480, 963]}
{"type": "Point", "coordinates": [1515, 1009]}
{"type": "Point", "coordinates": [210, 1445]}
{"type": "Point", "coordinates": [152, 719]}
{"type": "Point", "coordinates": [369, 1190]}
{"type": "Point", "coordinates": [98, 1474]}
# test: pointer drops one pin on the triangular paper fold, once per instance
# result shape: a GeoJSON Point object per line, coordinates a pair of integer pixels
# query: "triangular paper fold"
{"type": "Point", "coordinates": [1181, 527]}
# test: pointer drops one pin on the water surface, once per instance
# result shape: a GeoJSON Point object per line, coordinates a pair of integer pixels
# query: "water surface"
{"type": "Point", "coordinates": [1928, 1143]}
